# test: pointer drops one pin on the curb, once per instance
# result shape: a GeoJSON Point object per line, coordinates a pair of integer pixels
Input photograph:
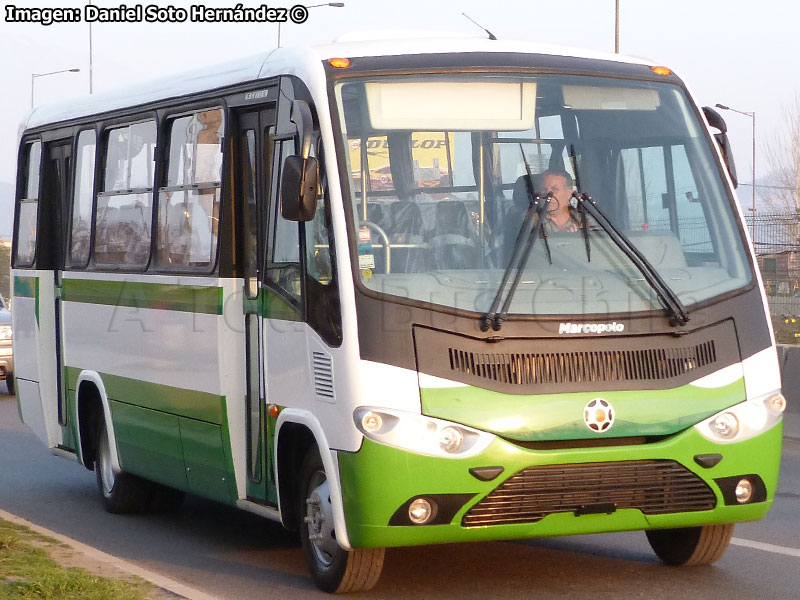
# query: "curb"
{"type": "Point", "coordinates": [165, 583]}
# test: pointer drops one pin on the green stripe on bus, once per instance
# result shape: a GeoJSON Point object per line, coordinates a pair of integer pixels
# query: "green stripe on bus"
{"type": "Point", "coordinates": [25, 287]}
{"type": "Point", "coordinates": [135, 294]}
{"type": "Point", "coordinates": [192, 404]}
{"type": "Point", "coordinates": [275, 307]}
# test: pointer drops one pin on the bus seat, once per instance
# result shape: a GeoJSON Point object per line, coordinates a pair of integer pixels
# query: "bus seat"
{"type": "Point", "coordinates": [406, 228]}
{"type": "Point", "coordinates": [453, 243]}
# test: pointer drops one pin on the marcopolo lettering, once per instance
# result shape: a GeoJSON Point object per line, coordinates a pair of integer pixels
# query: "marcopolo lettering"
{"type": "Point", "coordinates": [597, 328]}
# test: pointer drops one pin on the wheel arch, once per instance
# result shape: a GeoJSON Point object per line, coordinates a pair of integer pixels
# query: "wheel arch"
{"type": "Point", "coordinates": [91, 402]}
{"type": "Point", "coordinates": [295, 432]}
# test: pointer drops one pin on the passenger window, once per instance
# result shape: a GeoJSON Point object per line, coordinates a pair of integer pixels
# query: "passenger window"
{"type": "Point", "coordinates": [432, 158]}
{"type": "Point", "coordinates": [29, 209]}
{"type": "Point", "coordinates": [693, 229]}
{"type": "Point", "coordinates": [82, 200]}
{"type": "Point", "coordinates": [249, 177]}
{"type": "Point", "coordinates": [124, 206]}
{"type": "Point", "coordinates": [188, 213]}
{"type": "Point", "coordinates": [283, 265]}
{"type": "Point", "coordinates": [645, 186]}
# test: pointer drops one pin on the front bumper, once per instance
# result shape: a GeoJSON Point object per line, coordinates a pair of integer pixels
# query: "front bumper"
{"type": "Point", "coordinates": [378, 481]}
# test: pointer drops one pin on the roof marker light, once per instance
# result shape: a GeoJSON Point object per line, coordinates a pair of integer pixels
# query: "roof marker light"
{"type": "Point", "coordinates": [664, 71]}
{"type": "Point", "coordinates": [339, 63]}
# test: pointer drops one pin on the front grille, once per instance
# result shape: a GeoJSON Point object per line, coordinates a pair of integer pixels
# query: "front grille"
{"type": "Point", "coordinates": [583, 367]}
{"type": "Point", "coordinates": [653, 486]}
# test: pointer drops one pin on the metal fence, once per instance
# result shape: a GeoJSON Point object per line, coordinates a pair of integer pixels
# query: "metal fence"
{"type": "Point", "coordinates": [776, 238]}
{"type": "Point", "coordinates": [775, 233]}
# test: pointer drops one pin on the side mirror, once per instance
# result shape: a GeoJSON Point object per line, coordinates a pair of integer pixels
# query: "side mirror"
{"type": "Point", "coordinates": [717, 122]}
{"type": "Point", "coordinates": [300, 173]}
{"type": "Point", "coordinates": [299, 188]}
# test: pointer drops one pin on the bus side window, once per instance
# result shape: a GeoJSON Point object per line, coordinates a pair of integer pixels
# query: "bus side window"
{"type": "Point", "coordinates": [83, 198]}
{"type": "Point", "coordinates": [283, 248]}
{"type": "Point", "coordinates": [28, 209]}
{"type": "Point", "coordinates": [124, 206]}
{"type": "Point", "coordinates": [188, 206]}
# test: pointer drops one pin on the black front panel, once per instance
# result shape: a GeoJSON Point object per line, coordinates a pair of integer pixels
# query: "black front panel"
{"type": "Point", "coordinates": [551, 365]}
{"type": "Point", "coordinates": [385, 328]}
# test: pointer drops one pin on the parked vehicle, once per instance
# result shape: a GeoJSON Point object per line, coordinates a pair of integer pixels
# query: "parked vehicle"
{"type": "Point", "coordinates": [6, 347]}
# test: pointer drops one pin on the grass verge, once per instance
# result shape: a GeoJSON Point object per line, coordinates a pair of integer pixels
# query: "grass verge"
{"type": "Point", "coordinates": [28, 570]}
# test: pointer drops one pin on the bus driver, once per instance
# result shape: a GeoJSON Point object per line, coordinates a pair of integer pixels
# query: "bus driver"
{"type": "Point", "coordinates": [561, 214]}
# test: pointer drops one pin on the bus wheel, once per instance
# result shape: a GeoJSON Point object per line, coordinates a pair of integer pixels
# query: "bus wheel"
{"type": "Point", "coordinates": [121, 492]}
{"type": "Point", "coordinates": [10, 383]}
{"type": "Point", "coordinates": [691, 545]}
{"type": "Point", "coordinates": [332, 568]}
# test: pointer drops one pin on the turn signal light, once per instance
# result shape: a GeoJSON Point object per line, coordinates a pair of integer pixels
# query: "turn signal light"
{"type": "Point", "coordinates": [661, 71]}
{"type": "Point", "coordinates": [339, 63]}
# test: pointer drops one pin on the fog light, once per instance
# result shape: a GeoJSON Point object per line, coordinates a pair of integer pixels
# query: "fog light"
{"type": "Point", "coordinates": [776, 403]}
{"type": "Point", "coordinates": [371, 421]}
{"type": "Point", "coordinates": [725, 426]}
{"type": "Point", "coordinates": [744, 491]}
{"type": "Point", "coordinates": [450, 439]}
{"type": "Point", "coordinates": [420, 511]}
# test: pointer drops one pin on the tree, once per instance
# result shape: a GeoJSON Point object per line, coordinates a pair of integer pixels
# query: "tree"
{"type": "Point", "coordinates": [782, 153]}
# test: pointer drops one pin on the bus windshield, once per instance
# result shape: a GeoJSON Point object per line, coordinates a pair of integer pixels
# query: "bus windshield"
{"type": "Point", "coordinates": [439, 190]}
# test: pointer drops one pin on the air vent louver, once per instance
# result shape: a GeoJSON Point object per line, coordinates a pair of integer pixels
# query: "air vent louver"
{"type": "Point", "coordinates": [323, 376]}
{"type": "Point", "coordinates": [655, 487]}
{"type": "Point", "coordinates": [583, 367]}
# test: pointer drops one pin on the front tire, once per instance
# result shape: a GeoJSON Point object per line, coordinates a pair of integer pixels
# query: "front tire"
{"type": "Point", "coordinates": [691, 546]}
{"type": "Point", "coordinates": [333, 568]}
{"type": "Point", "coordinates": [121, 492]}
{"type": "Point", "coordinates": [10, 383]}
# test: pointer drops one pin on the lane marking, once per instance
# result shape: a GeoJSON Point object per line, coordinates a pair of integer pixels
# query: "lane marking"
{"type": "Point", "coordinates": [179, 589]}
{"type": "Point", "coordinates": [766, 547]}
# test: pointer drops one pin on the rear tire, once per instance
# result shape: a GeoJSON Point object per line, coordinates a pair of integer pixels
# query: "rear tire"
{"type": "Point", "coordinates": [121, 492]}
{"type": "Point", "coordinates": [333, 568]}
{"type": "Point", "coordinates": [10, 383]}
{"type": "Point", "coordinates": [691, 546]}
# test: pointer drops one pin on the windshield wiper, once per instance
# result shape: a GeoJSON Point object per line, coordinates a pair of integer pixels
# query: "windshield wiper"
{"type": "Point", "coordinates": [668, 298]}
{"type": "Point", "coordinates": [519, 258]}
{"type": "Point", "coordinates": [537, 207]}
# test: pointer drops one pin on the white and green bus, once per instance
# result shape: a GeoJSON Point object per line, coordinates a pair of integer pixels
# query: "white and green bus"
{"type": "Point", "coordinates": [325, 285]}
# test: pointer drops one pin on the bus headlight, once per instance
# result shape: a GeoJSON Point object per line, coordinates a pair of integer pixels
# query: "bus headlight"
{"type": "Point", "coordinates": [744, 420]}
{"type": "Point", "coordinates": [420, 434]}
{"type": "Point", "coordinates": [451, 439]}
{"type": "Point", "coordinates": [776, 403]}
{"type": "Point", "coordinates": [725, 425]}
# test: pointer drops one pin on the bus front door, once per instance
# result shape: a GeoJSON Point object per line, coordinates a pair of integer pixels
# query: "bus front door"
{"type": "Point", "coordinates": [252, 166]}
{"type": "Point", "coordinates": [55, 186]}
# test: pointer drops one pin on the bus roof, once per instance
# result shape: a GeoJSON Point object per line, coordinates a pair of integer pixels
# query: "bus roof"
{"type": "Point", "coordinates": [303, 61]}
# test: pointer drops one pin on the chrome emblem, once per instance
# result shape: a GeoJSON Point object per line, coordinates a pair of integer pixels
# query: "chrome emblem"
{"type": "Point", "coordinates": [598, 415]}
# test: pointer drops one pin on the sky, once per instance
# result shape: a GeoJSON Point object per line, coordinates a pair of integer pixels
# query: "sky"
{"type": "Point", "coordinates": [734, 52]}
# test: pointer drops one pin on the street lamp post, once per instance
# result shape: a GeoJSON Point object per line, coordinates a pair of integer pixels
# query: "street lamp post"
{"type": "Point", "coordinates": [35, 75]}
{"type": "Point", "coordinates": [334, 4]}
{"type": "Point", "coordinates": [752, 115]}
